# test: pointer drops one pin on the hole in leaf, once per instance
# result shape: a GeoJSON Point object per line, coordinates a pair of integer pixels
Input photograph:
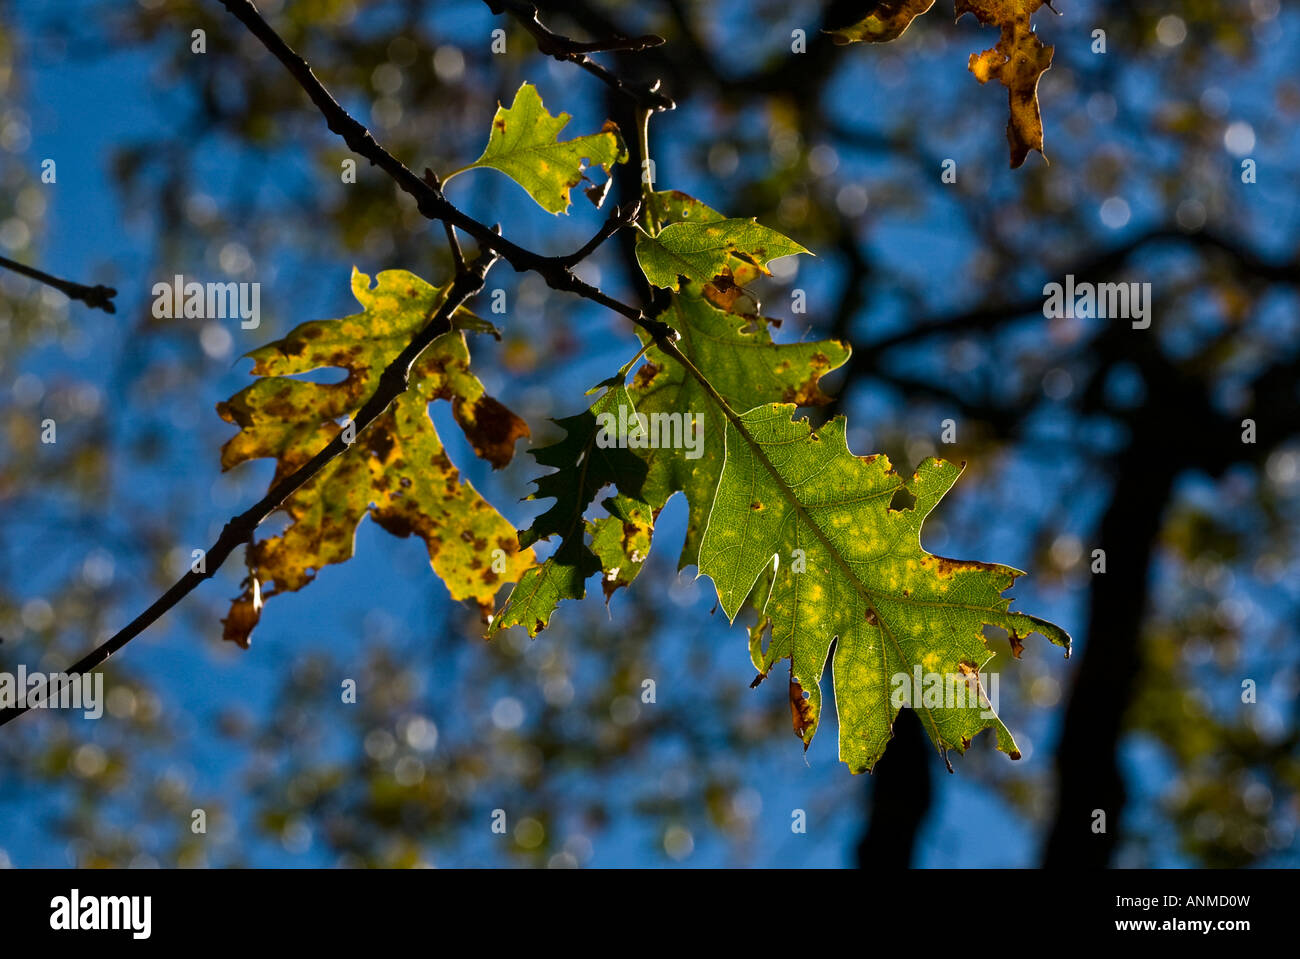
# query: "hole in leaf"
{"type": "Point", "coordinates": [902, 500]}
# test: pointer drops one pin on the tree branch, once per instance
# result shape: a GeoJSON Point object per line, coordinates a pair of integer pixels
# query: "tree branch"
{"type": "Point", "coordinates": [561, 47]}
{"type": "Point", "coordinates": [619, 218]}
{"type": "Point", "coordinates": [1097, 266]}
{"type": "Point", "coordinates": [97, 297]}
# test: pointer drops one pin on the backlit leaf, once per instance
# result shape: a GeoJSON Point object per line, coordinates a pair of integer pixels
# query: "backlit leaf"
{"type": "Point", "coordinates": [524, 145]}
{"type": "Point", "coordinates": [888, 20]}
{"type": "Point", "coordinates": [847, 568]}
{"type": "Point", "coordinates": [727, 290]}
{"type": "Point", "coordinates": [584, 464]}
{"type": "Point", "coordinates": [747, 369]}
{"type": "Point", "coordinates": [699, 251]}
{"type": "Point", "coordinates": [397, 471]}
{"type": "Point", "coordinates": [1018, 61]}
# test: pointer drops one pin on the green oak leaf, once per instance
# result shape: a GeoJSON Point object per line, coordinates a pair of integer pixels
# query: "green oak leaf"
{"type": "Point", "coordinates": [727, 290]}
{"type": "Point", "coordinates": [747, 368]}
{"type": "Point", "coordinates": [524, 146]}
{"type": "Point", "coordinates": [397, 472]}
{"type": "Point", "coordinates": [700, 250]}
{"type": "Point", "coordinates": [584, 465]}
{"type": "Point", "coordinates": [846, 567]}
{"type": "Point", "coordinates": [674, 206]}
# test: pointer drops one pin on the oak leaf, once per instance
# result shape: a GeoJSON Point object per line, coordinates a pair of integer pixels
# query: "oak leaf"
{"type": "Point", "coordinates": [747, 368]}
{"type": "Point", "coordinates": [524, 145]}
{"type": "Point", "coordinates": [809, 527]}
{"type": "Point", "coordinates": [397, 472]}
{"type": "Point", "coordinates": [590, 457]}
{"type": "Point", "coordinates": [699, 251]}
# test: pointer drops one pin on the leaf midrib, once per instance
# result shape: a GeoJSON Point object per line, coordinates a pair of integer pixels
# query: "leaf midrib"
{"type": "Point", "coordinates": [801, 513]}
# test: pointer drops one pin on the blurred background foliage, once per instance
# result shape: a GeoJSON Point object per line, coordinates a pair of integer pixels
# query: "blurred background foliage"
{"type": "Point", "coordinates": [1079, 435]}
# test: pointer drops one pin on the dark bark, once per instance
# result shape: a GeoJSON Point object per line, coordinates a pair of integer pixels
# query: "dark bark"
{"type": "Point", "coordinates": [1088, 775]}
{"type": "Point", "coordinates": [898, 797]}
{"type": "Point", "coordinates": [1165, 438]}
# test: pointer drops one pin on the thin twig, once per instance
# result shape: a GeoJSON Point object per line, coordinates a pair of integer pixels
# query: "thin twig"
{"type": "Point", "coordinates": [97, 297]}
{"type": "Point", "coordinates": [561, 47]}
{"type": "Point", "coordinates": [647, 176]}
{"type": "Point", "coordinates": [619, 218]}
{"type": "Point", "coordinates": [457, 255]}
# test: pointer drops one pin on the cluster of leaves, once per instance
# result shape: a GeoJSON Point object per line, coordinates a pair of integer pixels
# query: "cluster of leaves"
{"type": "Point", "coordinates": [1018, 60]}
{"type": "Point", "coordinates": [786, 521]}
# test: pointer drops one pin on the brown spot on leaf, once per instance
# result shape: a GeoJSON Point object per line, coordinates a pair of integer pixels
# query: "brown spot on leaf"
{"type": "Point", "coordinates": [726, 294]}
{"type": "Point", "coordinates": [611, 584]}
{"type": "Point", "coordinates": [394, 523]}
{"type": "Point", "coordinates": [645, 374]}
{"type": "Point", "coordinates": [809, 393]}
{"type": "Point", "coordinates": [381, 440]}
{"type": "Point", "coordinates": [491, 428]}
{"type": "Point", "coordinates": [801, 711]}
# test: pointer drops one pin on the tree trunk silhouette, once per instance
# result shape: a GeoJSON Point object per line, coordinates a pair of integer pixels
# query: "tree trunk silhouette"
{"type": "Point", "coordinates": [898, 796]}
{"type": "Point", "coordinates": [1088, 775]}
